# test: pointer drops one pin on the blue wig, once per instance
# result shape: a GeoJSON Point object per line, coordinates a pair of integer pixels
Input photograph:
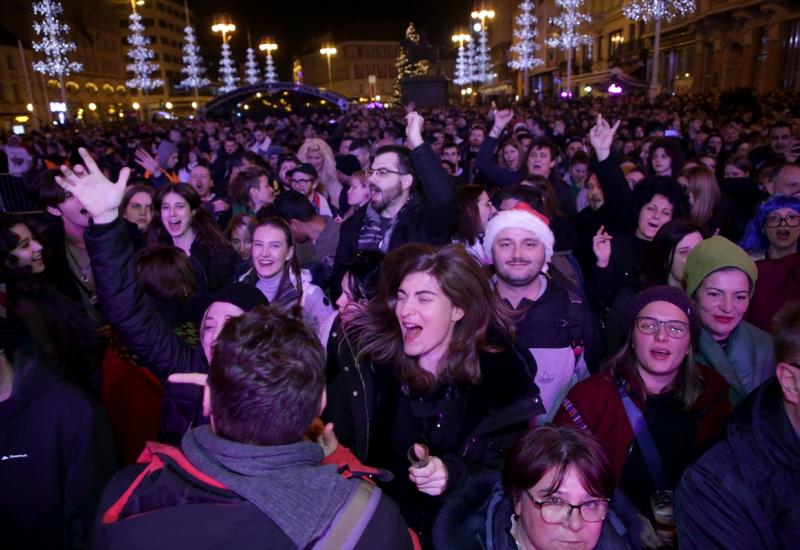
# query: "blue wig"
{"type": "Point", "coordinates": [754, 239]}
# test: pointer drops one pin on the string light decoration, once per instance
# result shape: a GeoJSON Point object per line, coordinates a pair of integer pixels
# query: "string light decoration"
{"type": "Point", "coordinates": [251, 71]}
{"type": "Point", "coordinates": [193, 62]}
{"type": "Point", "coordinates": [405, 68]}
{"type": "Point", "coordinates": [569, 21]}
{"type": "Point", "coordinates": [53, 44]}
{"type": "Point", "coordinates": [657, 11]}
{"type": "Point", "coordinates": [140, 53]}
{"type": "Point", "coordinates": [524, 51]}
{"type": "Point", "coordinates": [270, 74]}
{"type": "Point", "coordinates": [227, 70]}
{"type": "Point", "coordinates": [469, 63]}
{"type": "Point", "coordinates": [483, 59]}
{"type": "Point", "coordinates": [462, 73]}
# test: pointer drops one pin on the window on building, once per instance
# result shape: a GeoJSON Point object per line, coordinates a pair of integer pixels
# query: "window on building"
{"type": "Point", "coordinates": [599, 48]}
{"type": "Point", "coordinates": [2, 94]}
{"type": "Point", "coordinates": [368, 52]}
{"type": "Point", "coordinates": [147, 21]}
{"type": "Point", "coordinates": [358, 71]}
{"type": "Point", "coordinates": [162, 24]}
{"type": "Point", "coordinates": [791, 53]}
{"type": "Point", "coordinates": [615, 40]}
{"type": "Point", "coordinates": [11, 65]}
{"type": "Point", "coordinates": [15, 91]}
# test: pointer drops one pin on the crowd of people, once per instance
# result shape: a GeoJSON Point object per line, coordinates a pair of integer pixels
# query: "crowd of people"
{"type": "Point", "coordinates": [552, 324]}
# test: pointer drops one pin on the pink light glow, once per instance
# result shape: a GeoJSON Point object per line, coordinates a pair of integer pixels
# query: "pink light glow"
{"type": "Point", "coordinates": [614, 89]}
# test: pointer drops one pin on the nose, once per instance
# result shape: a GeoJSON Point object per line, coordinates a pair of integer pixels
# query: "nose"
{"type": "Point", "coordinates": [661, 333]}
{"type": "Point", "coordinates": [574, 521]}
{"type": "Point", "coordinates": [341, 301]}
{"type": "Point", "coordinates": [727, 304]}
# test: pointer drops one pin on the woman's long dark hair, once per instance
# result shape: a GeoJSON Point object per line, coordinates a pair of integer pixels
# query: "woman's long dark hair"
{"type": "Point", "coordinates": [205, 228]}
{"type": "Point", "coordinates": [467, 224]}
{"type": "Point", "coordinates": [375, 329]}
{"type": "Point", "coordinates": [73, 334]}
{"type": "Point", "coordinates": [658, 259]}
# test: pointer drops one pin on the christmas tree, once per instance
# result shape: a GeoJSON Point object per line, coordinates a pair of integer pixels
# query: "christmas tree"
{"type": "Point", "coordinates": [658, 11]}
{"type": "Point", "coordinates": [192, 62]}
{"type": "Point", "coordinates": [227, 70]}
{"type": "Point", "coordinates": [53, 44]}
{"type": "Point", "coordinates": [463, 70]}
{"type": "Point", "coordinates": [570, 37]}
{"type": "Point", "coordinates": [523, 52]}
{"type": "Point", "coordinates": [270, 75]}
{"type": "Point", "coordinates": [405, 68]}
{"type": "Point", "coordinates": [469, 60]}
{"type": "Point", "coordinates": [251, 71]}
{"type": "Point", "coordinates": [140, 55]}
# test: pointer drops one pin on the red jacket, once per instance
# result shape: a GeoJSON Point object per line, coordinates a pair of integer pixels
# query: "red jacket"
{"type": "Point", "coordinates": [778, 283]}
{"type": "Point", "coordinates": [598, 403]}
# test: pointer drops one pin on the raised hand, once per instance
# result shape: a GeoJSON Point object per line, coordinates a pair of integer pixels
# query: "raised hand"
{"type": "Point", "coordinates": [414, 122]}
{"type": "Point", "coordinates": [502, 118]}
{"type": "Point", "coordinates": [146, 161]}
{"type": "Point", "coordinates": [99, 196]}
{"type": "Point", "coordinates": [601, 136]}
{"type": "Point", "coordinates": [601, 245]}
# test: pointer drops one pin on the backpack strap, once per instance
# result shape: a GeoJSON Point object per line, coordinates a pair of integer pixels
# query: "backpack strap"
{"type": "Point", "coordinates": [153, 456]}
{"type": "Point", "coordinates": [350, 523]}
{"type": "Point", "coordinates": [641, 432]}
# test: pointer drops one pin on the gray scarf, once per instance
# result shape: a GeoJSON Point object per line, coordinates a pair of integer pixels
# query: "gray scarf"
{"type": "Point", "coordinates": [286, 482]}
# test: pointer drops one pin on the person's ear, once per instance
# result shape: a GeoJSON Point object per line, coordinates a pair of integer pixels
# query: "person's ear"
{"type": "Point", "coordinates": [323, 402]}
{"type": "Point", "coordinates": [207, 402]}
{"type": "Point", "coordinates": [789, 379]}
{"type": "Point", "coordinates": [53, 211]}
{"type": "Point", "coordinates": [406, 181]}
{"type": "Point", "coordinates": [457, 314]}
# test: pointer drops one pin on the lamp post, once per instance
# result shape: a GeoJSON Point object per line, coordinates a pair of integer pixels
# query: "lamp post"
{"type": "Point", "coordinates": [328, 51]}
{"type": "Point", "coordinates": [223, 25]}
{"type": "Point", "coordinates": [483, 60]}
{"type": "Point", "coordinates": [268, 46]}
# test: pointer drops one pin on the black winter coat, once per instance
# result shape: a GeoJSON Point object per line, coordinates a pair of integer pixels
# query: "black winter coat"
{"type": "Point", "coordinates": [745, 492]}
{"type": "Point", "coordinates": [142, 330]}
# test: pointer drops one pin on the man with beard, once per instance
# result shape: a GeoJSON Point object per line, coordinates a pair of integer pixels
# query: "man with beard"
{"type": "Point", "coordinates": [554, 324]}
{"type": "Point", "coordinates": [396, 214]}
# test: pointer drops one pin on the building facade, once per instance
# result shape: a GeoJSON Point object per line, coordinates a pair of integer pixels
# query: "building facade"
{"type": "Point", "coordinates": [723, 45]}
{"type": "Point", "coordinates": [359, 69]}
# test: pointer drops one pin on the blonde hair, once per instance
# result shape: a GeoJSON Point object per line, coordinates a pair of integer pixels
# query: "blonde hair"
{"type": "Point", "coordinates": [705, 193]}
{"type": "Point", "coordinates": [328, 172]}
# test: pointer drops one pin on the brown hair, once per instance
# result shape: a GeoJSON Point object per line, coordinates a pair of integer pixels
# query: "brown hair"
{"type": "Point", "coordinates": [166, 273]}
{"type": "Point", "coordinates": [705, 192]}
{"type": "Point", "coordinates": [501, 160]}
{"type": "Point", "coordinates": [130, 191]}
{"type": "Point", "coordinates": [245, 181]}
{"type": "Point", "coordinates": [377, 332]}
{"type": "Point", "coordinates": [786, 334]}
{"type": "Point", "coordinates": [467, 223]}
{"type": "Point", "coordinates": [540, 450]}
{"type": "Point", "coordinates": [205, 228]}
{"type": "Point", "coordinates": [291, 270]}
{"type": "Point", "coordinates": [552, 206]}
{"type": "Point", "coordinates": [688, 384]}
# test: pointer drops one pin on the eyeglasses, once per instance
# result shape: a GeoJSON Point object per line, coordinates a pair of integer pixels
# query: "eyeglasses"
{"type": "Point", "coordinates": [556, 511]}
{"type": "Point", "coordinates": [675, 329]}
{"type": "Point", "coordinates": [777, 221]}
{"type": "Point", "coordinates": [381, 172]}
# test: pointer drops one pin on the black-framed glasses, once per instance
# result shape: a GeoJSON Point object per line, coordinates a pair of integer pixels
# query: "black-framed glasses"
{"type": "Point", "coordinates": [556, 511]}
{"type": "Point", "coordinates": [777, 221]}
{"type": "Point", "coordinates": [674, 328]}
{"type": "Point", "coordinates": [383, 171]}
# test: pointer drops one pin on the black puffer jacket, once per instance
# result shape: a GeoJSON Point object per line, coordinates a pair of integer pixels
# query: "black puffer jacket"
{"type": "Point", "coordinates": [144, 333]}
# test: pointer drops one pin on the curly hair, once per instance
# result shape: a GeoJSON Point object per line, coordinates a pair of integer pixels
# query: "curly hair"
{"type": "Point", "coordinates": [376, 330]}
{"type": "Point", "coordinates": [666, 187]}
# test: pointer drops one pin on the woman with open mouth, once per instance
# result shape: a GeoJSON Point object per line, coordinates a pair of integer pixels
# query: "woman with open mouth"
{"type": "Point", "coordinates": [179, 220]}
{"type": "Point", "coordinates": [446, 388]}
{"type": "Point", "coordinates": [720, 277]}
{"type": "Point", "coordinates": [656, 383]}
{"type": "Point", "coordinates": [54, 323]}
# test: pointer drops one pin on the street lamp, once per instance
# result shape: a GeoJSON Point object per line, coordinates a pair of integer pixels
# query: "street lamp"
{"type": "Point", "coordinates": [463, 62]}
{"type": "Point", "coordinates": [328, 51]}
{"type": "Point", "coordinates": [483, 46]}
{"type": "Point", "coordinates": [268, 46]}
{"type": "Point", "coordinates": [223, 24]}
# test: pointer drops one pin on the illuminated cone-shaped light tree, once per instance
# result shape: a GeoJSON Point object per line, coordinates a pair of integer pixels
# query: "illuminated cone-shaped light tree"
{"type": "Point", "coordinates": [483, 56]}
{"type": "Point", "coordinates": [193, 62]}
{"type": "Point", "coordinates": [251, 71]}
{"type": "Point", "coordinates": [569, 21]}
{"type": "Point", "coordinates": [53, 43]}
{"type": "Point", "coordinates": [227, 70]}
{"type": "Point", "coordinates": [462, 74]}
{"type": "Point", "coordinates": [270, 75]}
{"type": "Point", "coordinates": [471, 67]}
{"type": "Point", "coordinates": [140, 53]}
{"type": "Point", "coordinates": [524, 50]}
{"type": "Point", "coordinates": [656, 11]}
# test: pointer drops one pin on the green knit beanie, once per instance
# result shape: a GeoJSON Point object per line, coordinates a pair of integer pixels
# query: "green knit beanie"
{"type": "Point", "coordinates": [714, 254]}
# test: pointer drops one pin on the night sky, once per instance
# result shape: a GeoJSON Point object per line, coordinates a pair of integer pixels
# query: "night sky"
{"type": "Point", "coordinates": [292, 23]}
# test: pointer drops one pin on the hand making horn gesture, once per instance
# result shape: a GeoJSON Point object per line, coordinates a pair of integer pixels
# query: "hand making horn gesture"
{"type": "Point", "coordinates": [601, 136]}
